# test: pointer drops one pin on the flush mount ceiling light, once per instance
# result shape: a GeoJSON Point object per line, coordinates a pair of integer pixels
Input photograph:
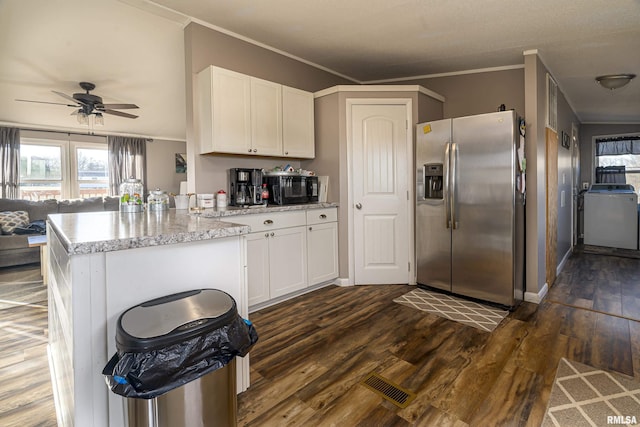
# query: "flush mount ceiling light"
{"type": "Point", "coordinates": [614, 81]}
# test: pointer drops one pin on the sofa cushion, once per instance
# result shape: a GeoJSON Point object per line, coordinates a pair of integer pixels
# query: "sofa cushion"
{"type": "Point", "coordinates": [38, 210]}
{"type": "Point", "coordinates": [14, 241]}
{"type": "Point", "coordinates": [91, 204]}
{"type": "Point", "coordinates": [9, 220]}
{"type": "Point", "coordinates": [111, 203]}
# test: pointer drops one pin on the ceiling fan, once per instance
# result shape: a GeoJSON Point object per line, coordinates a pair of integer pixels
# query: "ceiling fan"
{"type": "Point", "coordinates": [88, 103]}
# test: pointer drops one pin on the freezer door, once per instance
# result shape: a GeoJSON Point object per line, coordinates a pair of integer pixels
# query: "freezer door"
{"type": "Point", "coordinates": [483, 191]}
{"type": "Point", "coordinates": [433, 233]}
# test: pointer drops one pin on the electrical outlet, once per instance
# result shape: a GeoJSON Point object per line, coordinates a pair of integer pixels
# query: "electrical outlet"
{"type": "Point", "coordinates": [585, 185]}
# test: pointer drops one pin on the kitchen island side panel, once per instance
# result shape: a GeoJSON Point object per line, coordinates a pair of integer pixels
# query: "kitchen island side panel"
{"type": "Point", "coordinates": [142, 274]}
{"type": "Point", "coordinates": [87, 294]}
{"type": "Point", "coordinates": [77, 345]}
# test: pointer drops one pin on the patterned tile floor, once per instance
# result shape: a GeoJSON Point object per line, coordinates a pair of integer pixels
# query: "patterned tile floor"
{"type": "Point", "coordinates": [460, 310]}
{"type": "Point", "coordinates": [586, 396]}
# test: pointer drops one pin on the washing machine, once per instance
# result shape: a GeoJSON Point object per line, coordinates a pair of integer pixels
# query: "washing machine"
{"type": "Point", "coordinates": [611, 216]}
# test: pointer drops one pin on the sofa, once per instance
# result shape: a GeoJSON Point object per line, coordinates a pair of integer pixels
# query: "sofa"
{"type": "Point", "coordinates": [14, 247]}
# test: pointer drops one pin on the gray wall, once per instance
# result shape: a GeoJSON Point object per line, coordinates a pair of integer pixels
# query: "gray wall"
{"type": "Point", "coordinates": [468, 94]}
{"type": "Point", "coordinates": [566, 117]}
{"type": "Point", "coordinates": [161, 165]}
{"type": "Point", "coordinates": [204, 47]}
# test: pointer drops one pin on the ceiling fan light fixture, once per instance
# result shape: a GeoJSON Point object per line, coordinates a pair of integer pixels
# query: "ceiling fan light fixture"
{"type": "Point", "coordinates": [82, 118]}
{"type": "Point", "coordinates": [614, 81]}
{"type": "Point", "coordinates": [99, 119]}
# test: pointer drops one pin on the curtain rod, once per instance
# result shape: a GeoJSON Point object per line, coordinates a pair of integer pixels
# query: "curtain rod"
{"type": "Point", "coordinates": [74, 132]}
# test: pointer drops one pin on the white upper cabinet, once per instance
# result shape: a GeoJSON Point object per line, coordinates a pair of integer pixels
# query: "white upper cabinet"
{"type": "Point", "coordinates": [240, 114]}
{"type": "Point", "coordinates": [297, 129]}
{"type": "Point", "coordinates": [266, 118]}
{"type": "Point", "coordinates": [224, 107]}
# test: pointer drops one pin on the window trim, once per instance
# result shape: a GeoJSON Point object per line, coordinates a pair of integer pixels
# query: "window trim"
{"type": "Point", "coordinates": [593, 150]}
{"type": "Point", "coordinates": [64, 180]}
{"type": "Point", "coordinates": [74, 182]}
{"type": "Point", "coordinates": [68, 144]}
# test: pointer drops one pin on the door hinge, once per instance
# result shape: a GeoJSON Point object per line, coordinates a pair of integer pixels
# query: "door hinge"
{"type": "Point", "coordinates": [407, 194]}
{"type": "Point", "coordinates": [408, 266]}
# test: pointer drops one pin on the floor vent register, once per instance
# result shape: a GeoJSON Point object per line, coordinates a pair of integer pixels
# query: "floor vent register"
{"type": "Point", "coordinates": [392, 392]}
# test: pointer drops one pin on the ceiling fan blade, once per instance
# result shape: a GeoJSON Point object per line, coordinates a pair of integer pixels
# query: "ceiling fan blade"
{"type": "Point", "coordinates": [116, 106]}
{"type": "Point", "coordinates": [64, 95]}
{"type": "Point", "coordinates": [45, 102]}
{"type": "Point", "coordinates": [119, 113]}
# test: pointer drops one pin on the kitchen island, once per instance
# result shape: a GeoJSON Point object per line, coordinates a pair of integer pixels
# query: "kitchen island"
{"type": "Point", "coordinates": [102, 263]}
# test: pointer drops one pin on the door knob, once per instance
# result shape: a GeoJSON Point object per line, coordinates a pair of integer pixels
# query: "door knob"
{"type": "Point", "coordinates": [358, 206]}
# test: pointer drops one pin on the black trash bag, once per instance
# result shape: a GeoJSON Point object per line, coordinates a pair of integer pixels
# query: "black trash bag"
{"type": "Point", "coordinates": [149, 374]}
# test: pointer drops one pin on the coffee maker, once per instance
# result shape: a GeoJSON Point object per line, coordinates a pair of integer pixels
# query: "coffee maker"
{"type": "Point", "coordinates": [245, 187]}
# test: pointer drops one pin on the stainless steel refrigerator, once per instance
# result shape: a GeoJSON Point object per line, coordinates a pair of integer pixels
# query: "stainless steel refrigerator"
{"type": "Point", "coordinates": [469, 210]}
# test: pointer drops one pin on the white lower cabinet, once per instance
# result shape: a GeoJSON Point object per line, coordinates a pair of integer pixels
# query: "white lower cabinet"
{"type": "Point", "coordinates": [322, 253]}
{"type": "Point", "coordinates": [289, 251]}
{"type": "Point", "coordinates": [276, 263]}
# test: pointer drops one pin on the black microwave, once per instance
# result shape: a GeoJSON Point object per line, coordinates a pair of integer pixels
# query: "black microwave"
{"type": "Point", "coordinates": [290, 189]}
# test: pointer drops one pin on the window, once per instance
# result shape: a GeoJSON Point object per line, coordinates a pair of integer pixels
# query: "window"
{"type": "Point", "coordinates": [617, 160]}
{"type": "Point", "coordinates": [56, 168]}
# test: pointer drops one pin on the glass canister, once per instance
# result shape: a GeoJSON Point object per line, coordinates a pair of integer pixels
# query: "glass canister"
{"type": "Point", "coordinates": [158, 200]}
{"type": "Point", "coordinates": [131, 195]}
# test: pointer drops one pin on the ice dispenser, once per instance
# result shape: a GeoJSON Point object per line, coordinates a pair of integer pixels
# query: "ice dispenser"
{"type": "Point", "coordinates": [433, 181]}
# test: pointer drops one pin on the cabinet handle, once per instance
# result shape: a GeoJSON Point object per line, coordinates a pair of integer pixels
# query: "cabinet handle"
{"type": "Point", "coordinates": [267, 222]}
{"type": "Point", "coordinates": [249, 150]}
{"type": "Point", "coordinates": [266, 234]}
{"type": "Point", "coordinates": [310, 228]}
{"type": "Point", "coordinates": [255, 150]}
{"type": "Point", "coordinates": [286, 152]}
{"type": "Point", "coordinates": [272, 234]}
{"type": "Point", "coordinates": [323, 216]}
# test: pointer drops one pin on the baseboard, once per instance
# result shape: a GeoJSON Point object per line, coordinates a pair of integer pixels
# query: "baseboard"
{"type": "Point", "coordinates": [536, 298]}
{"type": "Point", "coordinates": [341, 281]}
{"type": "Point", "coordinates": [560, 266]}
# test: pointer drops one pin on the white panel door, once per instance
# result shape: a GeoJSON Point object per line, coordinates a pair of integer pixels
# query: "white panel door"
{"type": "Point", "coordinates": [231, 112]}
{"type": "Point", "coordinates": [266, 118]}
{"type": "Point", "coordinates": [322, 244]}
{"type": "Point", "coordinates": [288, 260]}
{"type": "Point", "coordinates": [380, 193]}
{"type": "Point", "coordinates": [298, 138]}
{"type": "Point", "coordinates": [257, 267]}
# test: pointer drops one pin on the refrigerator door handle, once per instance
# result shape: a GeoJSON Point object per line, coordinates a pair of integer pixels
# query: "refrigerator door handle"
{"type": "Point", "coordinates": [445, 192]}
{"type": "Point", "coordinates": [454, 158]}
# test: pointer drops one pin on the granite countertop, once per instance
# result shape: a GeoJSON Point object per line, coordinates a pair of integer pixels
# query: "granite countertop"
{"type": "Point", "coordinates": [234, 211]}
{"type": "Point", "coordinates": [91, 232]}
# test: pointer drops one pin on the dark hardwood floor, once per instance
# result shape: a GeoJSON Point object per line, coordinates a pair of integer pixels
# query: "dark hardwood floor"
{"type": "Point", "coordinates": [314, 350]}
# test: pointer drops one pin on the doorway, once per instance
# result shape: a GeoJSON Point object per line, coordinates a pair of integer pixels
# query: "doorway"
{"type": "Point", "coordinates": [552, 205]}
{"type": "Point", "coordinates": [380, 142]}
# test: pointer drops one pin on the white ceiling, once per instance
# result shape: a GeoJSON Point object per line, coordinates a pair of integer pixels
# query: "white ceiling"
{"type": "Point", "coordinates": [374, 40]}
{"type": "Point", "coordinates": [133, 49]}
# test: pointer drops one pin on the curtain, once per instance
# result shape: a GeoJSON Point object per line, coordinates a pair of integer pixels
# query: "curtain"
{"type": "Point", "coordinates": [127, 159]}
{"type": "Point", "coordinates": [611, 175]}
{"type": "Point", "coordinates": [610, 147]}
{"type": "Point", "coordinates": [9, 162]}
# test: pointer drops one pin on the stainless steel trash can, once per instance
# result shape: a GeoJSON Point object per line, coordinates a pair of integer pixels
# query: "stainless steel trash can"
{"type": "Point", "coordinates": [204, 402]}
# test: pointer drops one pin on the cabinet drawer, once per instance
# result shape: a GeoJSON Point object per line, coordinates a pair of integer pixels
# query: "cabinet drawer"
{"type": "Point", "coordinates": [270, 221]}
{"type": "Point", "coordinates": [320, 216]}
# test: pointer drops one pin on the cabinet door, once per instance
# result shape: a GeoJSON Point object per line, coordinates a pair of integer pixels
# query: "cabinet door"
{"type": "Point", "coordinates": [231, 112]}
{"type": "Point", "coordinates": [288, 260]}
{"type": "Point", "coordinates": [258, 267]}
{"type": "Point", "coordinates": [322, 254]}
{"type": "Point", "coordinates": [266, 118]}
{"type": "Point", "coordinates": [297, 123]}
